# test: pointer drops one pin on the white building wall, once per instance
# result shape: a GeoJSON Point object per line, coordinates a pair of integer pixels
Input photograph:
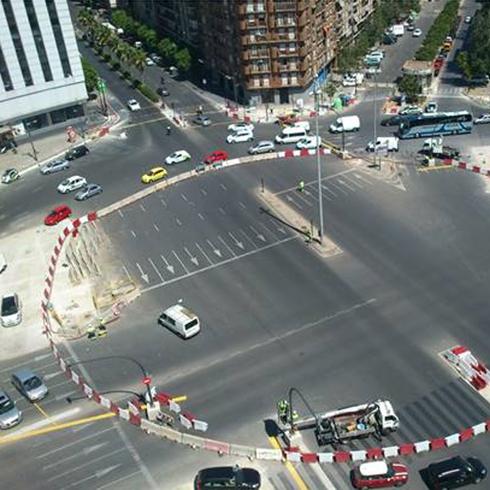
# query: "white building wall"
{"type": "Point", "coordinates": [42, 96]}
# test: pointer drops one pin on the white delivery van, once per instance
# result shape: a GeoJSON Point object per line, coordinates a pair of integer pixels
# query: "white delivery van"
{"type": "Point", "coordinates": [384, 143]}
{"type": "Point", "coordinates": [291, 134]}
{"type": "Point", "coordinates": [302, 124]}
{"type": "Point", "coordinates": [180, 320]}
{"type": "Point", "coordinates": [398, 30]}
{"type": "Point", "coordinates": [345, 124]}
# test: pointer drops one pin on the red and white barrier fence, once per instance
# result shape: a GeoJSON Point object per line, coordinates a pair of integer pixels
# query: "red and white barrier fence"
{"type": "Point", "coordinates": [468, 366]}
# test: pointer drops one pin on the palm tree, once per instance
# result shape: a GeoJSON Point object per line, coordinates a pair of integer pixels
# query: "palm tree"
{"type": "Point", "coordinates": [138, 60]}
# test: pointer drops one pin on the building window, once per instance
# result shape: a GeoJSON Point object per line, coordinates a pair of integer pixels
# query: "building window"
{"type": "Point", "coordinates": [62, 115]}
{"type": "Point", "coordinates": [36, 32]}
{"type": "Point", "coordinates": [19, 48]}
{"type": "Point", "coordinates": [58, 36]}
{"type": "Point", "coordinates": [36, 122]}
{"type": "Point", "coordinates": [4, 73]}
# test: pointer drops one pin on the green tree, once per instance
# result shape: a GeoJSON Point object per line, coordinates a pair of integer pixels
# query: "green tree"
{"type": "Point", "coordinates": [183, 59]}
{"type": "Point", "coordinates": [167, 48]}
{"type": "Point", "coordinates": [410, 86]}
{"type": "Point", "coordinates": [120, 19]}
{"type": "Point", "coordinates": [463, 62]}
{"type": "Point", "coordinates": [90, 74]}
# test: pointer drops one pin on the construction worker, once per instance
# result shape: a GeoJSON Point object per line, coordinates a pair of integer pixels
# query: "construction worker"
{"type": "Point", "coordinates": [308, 236]}
{"type": "Point", "coordinates": [91, 333]}
{"type": "Point", "coordinates": [101, 330]}
{"type": "Point", "coordinates": [301, 186]}
{"type": "Point", "coordinates": [283, 411]}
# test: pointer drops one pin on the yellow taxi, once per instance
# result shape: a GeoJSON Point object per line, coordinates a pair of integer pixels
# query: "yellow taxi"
{"type": "Point", "coordinates": [154, 174]}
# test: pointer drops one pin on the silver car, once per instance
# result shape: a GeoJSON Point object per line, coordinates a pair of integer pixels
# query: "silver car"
{"type": "Point", "coordinates": [29, 384]}
{"type": "Point", "coordinates": [10, 310]}
{"type": "Point", "coordinates": [10, 415]}
{"type": "Point", "coordinates": [90, 190]}
{"type": "Point", "coordinates": [55, 166]}
{"type": "Point", "coordinates": [261, 147]}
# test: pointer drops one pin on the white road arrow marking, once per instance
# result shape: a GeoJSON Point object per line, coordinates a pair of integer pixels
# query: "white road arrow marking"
{"type": "Point", "coordinates": [169, 267]}
{"type": "Point", "coordinates": [105, 471]}
{"type": "Point", "coordinates": [191, 257]}
{"type": "Point", "coordinates": [237, 243]}
{"type": "Point", "coordinates": [259, 235]}
{"type": "Point", "coordinates": [203, 252]}
{"type": "Point", "coordinates": [216, 251]}
{"type": "Point", "coordinates": [142, 274]}
{"type": "Point", "coordinates": [91, 449]}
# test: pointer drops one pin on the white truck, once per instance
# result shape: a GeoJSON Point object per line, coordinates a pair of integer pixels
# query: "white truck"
{"type": "Point", "coordinates": [376, 418]}
{"type": "Point", "coordinates": [346, 124]}
{"type": "Point", "coordinates": [384, 143]}
{"type": "Point", "coordinates": [398, 30]}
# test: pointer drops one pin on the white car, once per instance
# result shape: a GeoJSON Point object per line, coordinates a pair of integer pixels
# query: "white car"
{"type": "Point", "coordinates": [482, 119]}
{"type": "Point", "coordinates": [349, 82]}
{"type": "Point", "coordinates": [134, 105]}
{"type": "Point", "coordinates": [241, 126]}
{"type": "Point", "coordinates": [72, 184]}
{"type": "Point", "coordinates": [10, 310]}
{"type": "Point", "coordinates": [177, 157]}
{"type": "Point", "coordinates": [417, 33]}
{"type": "Point", "coordinates": [240, 137]}
{"type": "Point", "coordinates": [149, 62]}
{"type": "Point", "coordinates": [309, 143]}
{"type": "Point", "coordinates": [467, 19]}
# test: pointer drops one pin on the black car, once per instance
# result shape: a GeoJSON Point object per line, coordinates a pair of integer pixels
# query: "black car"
{"type": "Point", "coordinates": [455, 472]}
{"type": "Point", "coordinates": [227, 477]}
{"type": "Point", "coordinates": [76, 152]}
{"type": "Point", "coordinates": [163, 92]}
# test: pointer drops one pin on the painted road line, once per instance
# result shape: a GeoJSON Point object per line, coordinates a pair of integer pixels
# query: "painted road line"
{"type": "Point", "coordinates": [114, 483]}
{"type": "Point", "coordinates": [156, 269]}
{"type": "Point", "coordinates": [156, 227]}
{"type": "Point", "coordinates": [85, 451]}
{"type": "Point", "coordinates": [142, 208]}
{"type": "Point", "coordinates": [204, 192]}
{"type": "Point", "coordinates": [268, 230]}
{"type": "Point", "coordinates": [200, 216]}
{"type": "Point", "coordinates": [235, 240]}
{"type": "Point", "coordinates": [222, 211]}
{"type": "Point", "coordinates": [133, 233]}
{"type": "Point", "coordinates": [214, 266]}
{"type": "Point", "coordinates": [216, 250]}
{"type": "Point", "coordinates": [300, 484]}
{"type": "Point", "coordinates": [247, 238]}
{"type": "Point", "coordinates": [227, 246]}
{"type": "Point", "coordinates": [204, 253]}
{"type": "Point", "coordinates": [437, 167]}
{"type": "Point", "coordinates": [120, 213]}
{"type": "Point", "coordinates": [290, 198]}
{"type": "Point", "coordinates": [340, 181]}
{"type": "Point", "coordinates": [359, 186]}
{"type": "Point", "coordinates": [27, 434]}
{"type": "Point", "coordinates": [343, 191]}
{"type": "Point", "coordinates": [37, 359]}
{"type": "Point", "coordinates": [43, 413]}
{"type": "Point", "coordinates": [169, 267]}
{"type": "Point", "coordinates": [192, 258]}
{"type": "Point", "coordinates": [180, 262]}
{"type": "Point", "coordinates": [164, 204]}
{"type": "Point", "coordinates": [324, 187]}
{"type": "Point", "coordinates": [177, 220]}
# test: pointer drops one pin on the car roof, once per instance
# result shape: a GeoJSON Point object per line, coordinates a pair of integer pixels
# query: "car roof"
{"type": "Point", "coordinates": [180, 312]}
{"type": "Point", "coordinates": [3, 394]}
{"type": "Point", "coordinates": [61, 207]}
{"type": "Point", "coordinates": [156, 169]}
{"type": "Point", "coordinates": [373, 468]}
{"type": "Point", "coordinates": [24, 374]}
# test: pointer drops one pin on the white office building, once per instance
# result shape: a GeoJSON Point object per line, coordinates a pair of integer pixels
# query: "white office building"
{"type": "Point", "coordinates": [41, 77]}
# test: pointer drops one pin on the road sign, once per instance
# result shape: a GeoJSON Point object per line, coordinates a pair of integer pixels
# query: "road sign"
{"type": "Point", "coordinates": [101, 85]}
{"type": "Point", "coordinates": [147, 380]}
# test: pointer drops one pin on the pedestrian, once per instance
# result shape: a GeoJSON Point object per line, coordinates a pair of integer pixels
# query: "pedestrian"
{"type": "Point", "coordinates": [91, 334]}
{"type": "Point", "coordinates": [168, 130]}
{"type": "Point", "coordinates": [301, 186]}
{"type": "Point", "coordinates": [162, 80]}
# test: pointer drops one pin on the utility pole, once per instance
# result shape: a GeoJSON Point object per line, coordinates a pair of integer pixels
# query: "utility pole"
{"type": "Point", "coordinates": [375, 117]}
{"type": "Point", "coordinates": [318, 165]}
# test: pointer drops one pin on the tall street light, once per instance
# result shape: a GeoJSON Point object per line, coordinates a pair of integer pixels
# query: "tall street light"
{"type": "Point", "coordinates": [27, 125]}
{"type": "Point", "coordinates": [318, 163]}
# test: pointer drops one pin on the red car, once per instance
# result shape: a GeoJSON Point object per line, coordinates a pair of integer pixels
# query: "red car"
{"type": "Point", "coordinates": [379, 474]}
{"type": "Point", "coordinates": [57, 214]}
{"type": "Point", "coordinates": [216, 156]}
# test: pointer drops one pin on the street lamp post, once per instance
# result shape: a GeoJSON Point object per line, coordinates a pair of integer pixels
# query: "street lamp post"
{"type": "Point", "coordinates": [28, 131]}
{"type": "Point", "coordinates": [318, 165]}
{"type": "Point", "coordinates": [375, 116]}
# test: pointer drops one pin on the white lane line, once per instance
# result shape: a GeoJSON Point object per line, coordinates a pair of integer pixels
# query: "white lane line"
{"type": "Point", "coordinates": [354, 182]}
{"type": "Point", "coordinates": [180, 262]}
{"type": "Point", "coordinates": [177, 220]}
{"type": "Point", "coordinates": [125, 269]}
{"type": "Point", "coordinates": [260, 236]}
{"type": "Point", "coordinates": [324, 196]}
{"type": "Point", "coordinates": [183, 196]}
{"type": "Point", "coordinates": [267, 229]}
{"type": "Point", "coordinates": [329, 190]}
{"type": "Point", "coordinates": [279, 228]}
{"type": "Point", "coordinates": [216, 250]}
{"type": "Point", "coordinates": [156, 227]}
{"type": "Point", "coordinates": [226, 246]}
{"type": "Point", "coordinates": [78, 441]}
{"type": "Point", "coordinates": [291, 199]}
{"type": "Point", "coordinates": [169, 267]}
{"type": "Point", "coordinates": [242, 205]}
{"type": "Point", "coordinates": [219, 264]}
{"type": "Point", "coordinates": [142, 208]}
{"type": "Point", "coordinates": [156, 269]}
{"type": "Point", "coordinates": [223, 186]}
{"type": "Point", "coordinates": [142, 273]}
{"type": "Point", "coordinates": [204, 253]}
{"type": "Point", "coordinates": [164, 204]}
{"type": "Point", "coordinates": [360, 177]}
{"type": "Point", "coordinates": [340, 181]}
{"type": "Point", "coordinates": [120, 213]}
{"type": "Point", "coordinates": [133, 233]}
{"type": "Point", "coordinates": [97, 475]}
{"type": "Point", "coordinates": [306, 201]}
{"type": "Point", "coordinates": [200, 216]}
{"type": "Point", "coordinates": [119, 480]}
{"type": "Point", "coordinates": [85, 451]}
{"type": "Point", "coordinates": [36, 359]}
{"type": "Point", "coordinates": [343, 191]}
{"type": "Point", "coordinates": [192, 258]}
{"type": "Point", "coordinates": [222, 211]}
{"type": "Point", "coordinates": [203, 191]}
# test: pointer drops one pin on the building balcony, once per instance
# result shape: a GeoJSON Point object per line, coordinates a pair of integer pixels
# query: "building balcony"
{"type": "Point", "coordinates": [284, 6]}
{"type": "Point", "coordinates": [259, 53]}
{"type": "Point", "coordinates": [280, 53]}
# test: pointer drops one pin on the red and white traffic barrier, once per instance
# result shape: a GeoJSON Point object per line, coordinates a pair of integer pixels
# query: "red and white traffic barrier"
{"type": "Point", "coordinates": [468, 366]}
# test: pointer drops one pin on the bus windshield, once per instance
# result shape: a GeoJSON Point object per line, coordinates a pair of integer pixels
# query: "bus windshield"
{"type": "Point", "coordinates": [436, 124]}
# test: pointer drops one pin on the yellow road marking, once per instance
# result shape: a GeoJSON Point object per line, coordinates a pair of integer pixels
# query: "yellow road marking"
{"type": "Point", "coordinates": [43, 412]}
{"type": "Point", "coordinates": [300, 484]}
{"type": "Point", "coordinates": [436, 167]}
{"type": "Point", "coordinates": [178, 399]}
{"type": "Point", "coordinates": [47, 430]}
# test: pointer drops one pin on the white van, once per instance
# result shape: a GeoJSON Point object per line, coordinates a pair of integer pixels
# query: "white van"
{"type": "Point", "coordinates": [384, 143]}
{"type": "Point", "coordinates": [291, 135]}
{"type": "Point", "coordinates": [180, 320]}
{"type": "Point", "coordinates": [345, 124]}
{"type": "Point", "coordinates": [302, 124]}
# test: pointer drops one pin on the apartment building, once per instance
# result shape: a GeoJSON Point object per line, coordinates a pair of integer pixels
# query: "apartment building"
{"type": "Point", "coordinates": [351, 15]}
{"type": "Point", "coordinates": [41, 77]}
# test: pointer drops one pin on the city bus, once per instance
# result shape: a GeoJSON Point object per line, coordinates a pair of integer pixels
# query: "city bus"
{"type": "Point", "coordinates": [436, 124]}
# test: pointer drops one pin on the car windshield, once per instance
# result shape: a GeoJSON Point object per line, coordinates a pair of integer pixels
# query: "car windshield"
{"type": "Point", "coordinates": [5, 405]}
{"type": "Point", "coordinates": [9, 307]}
{"type": "Point", "coordinates": [32, 383]}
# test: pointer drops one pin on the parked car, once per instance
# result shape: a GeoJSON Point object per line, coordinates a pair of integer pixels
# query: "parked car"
{"type": "Point", "coordinates": [154, 174]}
{"type": "Point", "coordinates": [410, 110]}
{"type": "Point", "coordinates": [10, 415]}
{"type": "Point", "coordinates": [149, 62]}
{"type": "Point", "coordinates": [90, 190]}
{"type": "Point", "coordinates": [467, 19]}
{"type": "Point", "coordinates": [455, 472]}
{"type": "Point", "coordinates": [240, 137]}
{"type": "Point", "coordinates": [417, 32]}
{"type": "Point", "coordinates": [163, 92]}
{"type": "Point", "coordinates": [133, 105]}
{"type": "Point", "coordinates": [72, 183]}
{"type": "Point", "coordinates": [57, 214]}
{"type": "Point", "coordinates": [10, 313]}
{"type": "Point", "coordinates": [76, 152]}
{"type": "Point", "coordinates": [29, 384]}
{"type": "Point", "coordinates": [202, 120]}
{"type": "Point", "coordinates": [228, 477]}
{"type": "Point", "coordinates": [261, 147]}
{"type": "Point", "coordinates": [10, 175]}
{"type": "Point", "coordinates": [431, 107]}
{"type": "Point", "coordinates": [309, 143]}
{"type": "Point", "coordinates": [241, 126]}
{"type": "Point", "coordinates": [482, 119]}
{"type": "Point", "coordinates": [410, 27]}
{"type": "Point", "coordinates": [55, 166]}
{"type": "Point", "coordinates": [215, 156]}
{"type": "Point", "coordinates": [177, 157]}
{"type": "Point", "coordinates": [379, 474]}
{"type": "Point", "coordinates": [480, 80]}
{"type": "Point", "coordinates": [349, 81]}
{"type": "Point", "coordinates": [157, 59]}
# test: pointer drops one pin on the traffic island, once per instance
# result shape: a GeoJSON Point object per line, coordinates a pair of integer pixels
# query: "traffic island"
{"type": "Point", "coordinates": [277, 209]}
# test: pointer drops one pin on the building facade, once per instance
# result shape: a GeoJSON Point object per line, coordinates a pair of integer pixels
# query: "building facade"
{"type": "Point", "coordinates": [41, 77]}
{"type": "Point", "coordinates": [351, 15]}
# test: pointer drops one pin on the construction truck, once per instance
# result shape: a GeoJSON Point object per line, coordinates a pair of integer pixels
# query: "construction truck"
{"type": "Point", "coordinates": [376, 418]}
{"type": "Point", "coordinates": [433, 148]}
